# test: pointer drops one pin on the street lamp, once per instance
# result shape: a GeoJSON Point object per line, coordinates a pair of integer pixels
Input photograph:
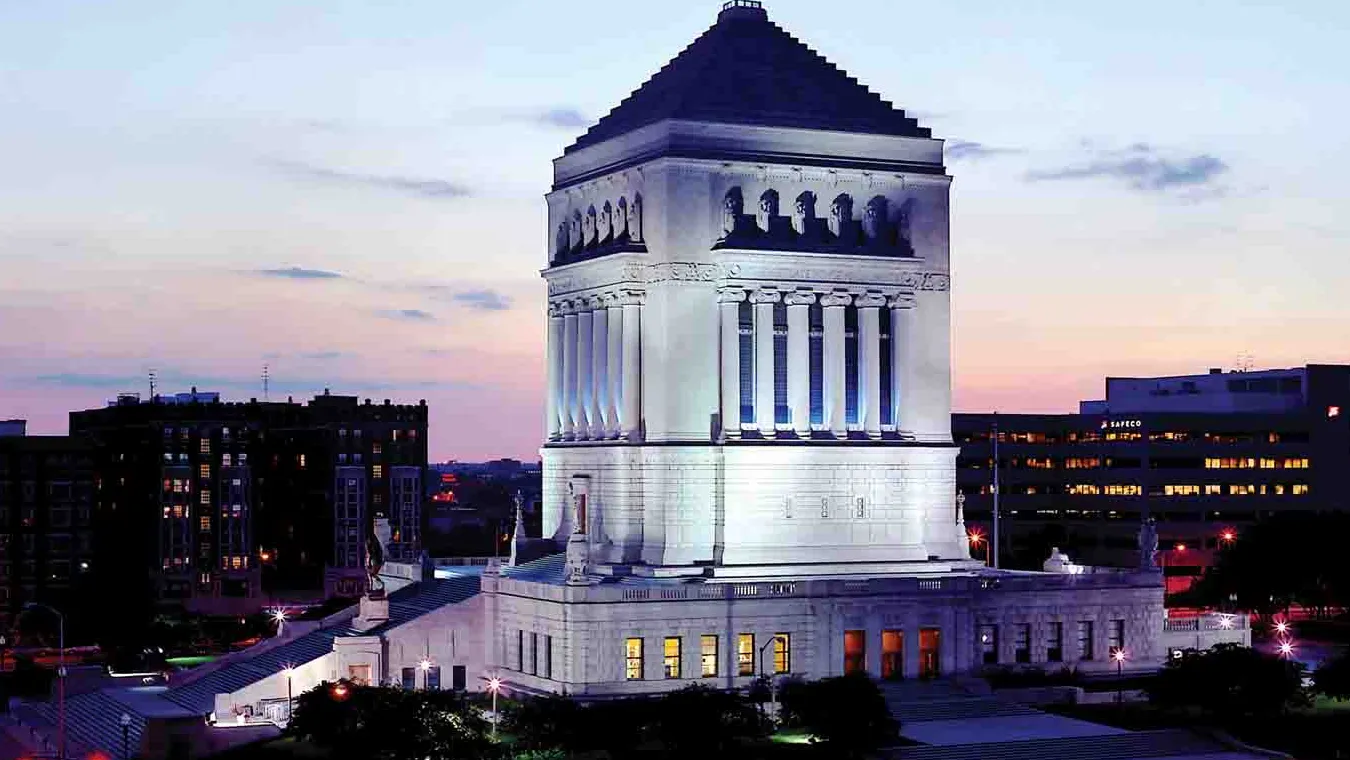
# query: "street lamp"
{"type": "Point", "coordinates": [494, 686]}
{"type": "Point", "coordinates": [773, 695]}
{"type": "Point", "coordinates": [976, 538]}
{"type": "Point", "coordinates": [289, 672]}
{"type": "Point", "coordinates": [1118, 654]}
{"type": "Point", "coordinates": [424, 665]}
{"type": "Point", "coordinates": [60, 675]}
{"type": "Point", "coordinates": [279, 617]}
{"type": "Point", "coordinates": [125, 722]}
{"type": "Point", "coordinates": [1286, 649]}
{"type": "Point", "coordinates": [1281, 627]}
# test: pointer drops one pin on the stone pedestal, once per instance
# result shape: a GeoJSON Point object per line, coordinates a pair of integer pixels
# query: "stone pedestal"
{"type": "Point", "coordinates": [372, 612]}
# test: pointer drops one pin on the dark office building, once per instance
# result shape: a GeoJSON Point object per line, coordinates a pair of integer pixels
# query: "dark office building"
{"type": "Point", "coordinates": [1204, 455]}
{"type": "Point", "coordinates": [46, 513]}
{"type": "Point", "coordinates": [225, 507]}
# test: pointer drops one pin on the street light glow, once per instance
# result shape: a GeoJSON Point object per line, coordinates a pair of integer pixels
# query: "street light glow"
{"type": "Point", "coordinates": [289, 672]}
{"type": "Point", "coordinates": [1286, 648]}
{"type": "Point", "coordinates": [1282, 627]}
{"type": "Point", "coordinates": [1225, 621]}
{"type": "Point", "coordinates": [424, 665]}
{"type": "Point", "coordinates": [1118, 655]}
{"type": "Point", "coordinates": [494, 683]}
{"type": "Point", "coordinates": [279, 616]}
{"type": "Point", "coordinates": [975, 538]}
{"type": "Point", "coordinates": [1228, 536]}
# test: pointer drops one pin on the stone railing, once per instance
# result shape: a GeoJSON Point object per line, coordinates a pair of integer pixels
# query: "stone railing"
{"type": "Point", "coordinates": [1210, 621]}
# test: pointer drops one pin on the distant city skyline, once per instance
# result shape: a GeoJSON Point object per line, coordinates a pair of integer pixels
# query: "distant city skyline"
{"type": "Point", "coordinates": [353, 195]}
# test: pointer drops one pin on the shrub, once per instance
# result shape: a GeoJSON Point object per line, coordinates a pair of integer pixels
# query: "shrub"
{"type": "Point", "coordinates": [848, 713]}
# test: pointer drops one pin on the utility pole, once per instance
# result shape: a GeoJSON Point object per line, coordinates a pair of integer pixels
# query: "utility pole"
{"type": "Point", "coordinates": [995, 542]}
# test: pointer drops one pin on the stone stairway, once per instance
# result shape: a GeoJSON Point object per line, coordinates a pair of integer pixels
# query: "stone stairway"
{"type": "Point", "coordinates": [1140, 745]}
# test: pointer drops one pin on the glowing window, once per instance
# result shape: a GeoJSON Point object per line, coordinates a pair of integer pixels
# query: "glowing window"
{"type": "Point", "coordinates": [633, 659]}
{"type": "Point", "coordinates": [671, 656]}
{"type": "Point", "coordinates": [782, 653]}
{"type": "Point", "coordinates": [745, 654]}
{"type": "Point", "coordinates": [708, 655]}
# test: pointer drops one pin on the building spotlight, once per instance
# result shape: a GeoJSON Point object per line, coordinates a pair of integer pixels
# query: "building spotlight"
{"type": "Point", "coordinates": [1281, 627]}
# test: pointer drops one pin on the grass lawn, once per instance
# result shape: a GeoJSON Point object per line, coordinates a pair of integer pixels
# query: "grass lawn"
{"type": "Point", "coordinates": [1314, 733]}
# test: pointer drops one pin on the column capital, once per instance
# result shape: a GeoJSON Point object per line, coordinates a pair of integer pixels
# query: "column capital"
{"type": "Point", "coordinates": [870, 301]}
{"type": "Point", "coordinates": [766, 295]}
{"type": "Point", "coordinates": [799, 298]}
{"type": "Point", "coordinates": [594, 302]}
{"type": "Point", "coordinates": [556, 309]}
{"type": "Point", "coordinates": [901, 301]}
{"type": "Point", "coordinates": [570, 307]}
{"type": "Point", "coordinates": [630, 297]}
{"type": "Point", "coordinates": [730, 295]}
{"type": "Point", "coordinates": [835, 298]}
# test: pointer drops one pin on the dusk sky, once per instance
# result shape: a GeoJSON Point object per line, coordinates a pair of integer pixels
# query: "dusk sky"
{"type": "Point", "coordinates": [352, 192]}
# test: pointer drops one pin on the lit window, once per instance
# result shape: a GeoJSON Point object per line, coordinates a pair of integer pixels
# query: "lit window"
{"type": "Point", "coordinates": [205, 523]}
{"type": "Point", "coordinates": [225, 460]}
{"type": "Point", "coordinates": [708, 655]}
{"type": "Point", "coordinates": [1333, 411]}
{"type": "Point", "coordinates": [377, 471]}
{"type": "Point", "coordinates": [633, 659]}
{"type": "Point", "coordinates": [1267, 463]}
{"type": "Point", "coordinates": [745, 654]}
{"type": "Point", "coordinates": [671, 656]}
{"type": "Point", "coordinates": [376, 448]}
{"type": "Point", "coordinates": [393, 435]}
{"type": "Point", "coordinates": [204, 471]}
{"type": "Point", "coordinates": [1213, 489]}
{"type": "Point", "coordinates": [205, 497]}
{"type": "Point", "coordinates": [782, 653]}
{"type": "Point", "coordinates": [206, 445]}
{"type": "Point", "coordinates": [301, 461]}
{"type": "Point", "coordinates": [1300, 489]}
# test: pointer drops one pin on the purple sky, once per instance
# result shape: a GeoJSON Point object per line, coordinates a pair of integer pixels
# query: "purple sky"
{"type": "Point", "coordinates": [352, 193]}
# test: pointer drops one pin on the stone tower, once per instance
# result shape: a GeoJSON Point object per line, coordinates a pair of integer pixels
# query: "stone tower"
{"type": "Point", "coordinates": [749, 318]}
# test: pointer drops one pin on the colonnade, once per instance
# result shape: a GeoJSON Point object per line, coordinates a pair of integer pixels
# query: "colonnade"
{"type": "Point", "coordinates": [593, 363]}
{"type": "Point", "coordinates": [833, 377]}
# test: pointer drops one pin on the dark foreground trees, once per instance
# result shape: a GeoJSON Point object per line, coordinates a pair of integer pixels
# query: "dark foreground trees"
{"type": "Point", "coordinates": [849, 714]}
{"type": "Point", "coordinates": [1229, 680]}
{"type": "Point", "coordinates": [384, 723]}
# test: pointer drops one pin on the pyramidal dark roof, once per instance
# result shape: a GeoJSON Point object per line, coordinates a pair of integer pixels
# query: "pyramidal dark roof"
{"type": "Point", "coordinates": [747, 70]}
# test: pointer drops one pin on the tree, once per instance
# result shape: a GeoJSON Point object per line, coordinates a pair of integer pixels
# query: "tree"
{"type": "Point", "coordinates": [849, 714]}
{"type": "Point", "coordinates": [699, 719]}
{"type": "Point", "coordinates": [384, 723]}
{"type": "Point", "coordinates": [1229, 680]}
{"type": "Point", "coordinates": [1332, 679]}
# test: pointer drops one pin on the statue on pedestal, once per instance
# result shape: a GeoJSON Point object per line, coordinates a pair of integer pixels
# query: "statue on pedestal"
{"type": "Point", "coordinates": [377, 547]}
{"type": "Point", "coordinates": [1148, 545]}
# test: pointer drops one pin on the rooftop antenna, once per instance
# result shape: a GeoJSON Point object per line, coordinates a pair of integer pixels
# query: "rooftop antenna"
{"type": "Point", "coordinates": [266, 377]}
{"type": "Point", "coordinates": [152, 383]}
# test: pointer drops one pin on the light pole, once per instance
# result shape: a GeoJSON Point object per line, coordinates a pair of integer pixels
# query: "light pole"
{"type": "Point", "coordinates": [280, 617]}
{"type": "Point", "coordinates": [125, 722]}
{"type": "Point", "coordinates": [60, 675]}
{"type": "Point", "coordinates": [289, 672]}
{"type": "Point", "coordinates": [494, 686]}
{"type": "Point", "coordinates": [773, 695]}
{"type": "Point", "coordinates": [1118, 654]}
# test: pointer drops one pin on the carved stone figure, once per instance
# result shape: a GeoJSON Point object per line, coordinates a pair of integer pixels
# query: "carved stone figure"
{"type": "Point", "coordinates": [635, 219]}
{"type": "Point", "coordinates": [1148, 545]}
{"type": "Point", "coordinates": [768, 209]}
{"type": "Point", "coordinates": [602, 223]}
{"type": "Point", "coordinates": [804, 212]}
{"type": "Point", "coordinates": [841, 214]}
{"type": "Point", "coordinates": [588, 227]}
{"type": "Point", "coordinates": [874, 218]}
{"type": "Point", "coordinates": [902, 221]}
{"type": "Point", "coordinates": [574, 230]}
{"type": "Point", "coordinates": [733, 205]}
{"type": "Point", "coordinates": [561, 242]}
{"type": "Point", "coordinates": [619, 219]}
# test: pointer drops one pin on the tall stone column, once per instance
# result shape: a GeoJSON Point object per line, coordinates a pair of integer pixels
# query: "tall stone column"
{"type": "Point", "coordinates": [599, 356]}
{"type": "Point", "coordinates": [832, 364]}
{"type": "Point", "coordinates": [585, 344]}
{"type": "Point", "coordinates": [630, 413]}
{"type": "Point", "coordinates": [764, 301]}
{"type": "Point", "coordinates": [570, 402]}
{"type": "Point", "coordinates": [799, 360]}
{"type": "Point", "coordinates": [554, 371]}
{"type": "Point", "coordinates": [729, 304]}
{"type": "Point", "coordinates": [613, 363]}
{"type": "Point", "coordinates": [902, 324]}
{"type": "Point", "coordinates": [869, 362]}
